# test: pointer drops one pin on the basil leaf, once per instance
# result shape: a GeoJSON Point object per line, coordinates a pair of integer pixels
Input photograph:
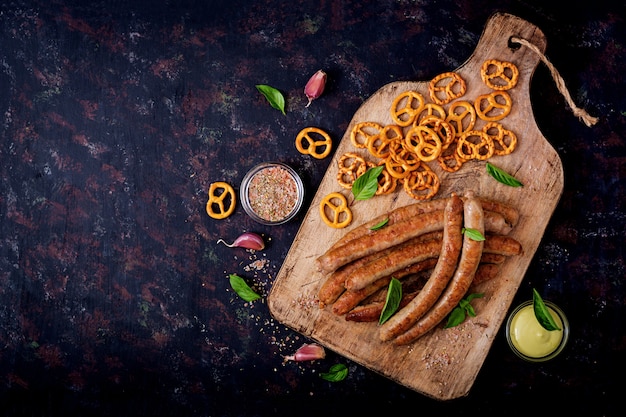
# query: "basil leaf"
{"type": "Point", "coordinates": [242, 288]}
{"type": "Point", "coordinates": [392, 301]}
{"type": "Point", "coordinates": [273, 96]}
{"type": "Point", "coordinates": [456, 317]}
{"type": "Point", "coordinates": [473, 234]}
{"type": "Point", "coordinates": [337, 372]}
{"type": "Point", "coordinates": [380, 225]}
{"type": "Point", "coordinates": [502, 176]}
{"type": "Point", "coordinates": [458, 314]}
{"type": "Point", "coordinates": [542, 313]}
{"type": "Point", "coordinates": [469, 310]}
{"type": "Point", "coordinates": [366, 185]}
{"type": "Point", "coordinates": [475, 295]}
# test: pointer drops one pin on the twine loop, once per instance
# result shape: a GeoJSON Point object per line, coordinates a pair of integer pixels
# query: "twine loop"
{"type": "Point", "coordinates": [585, 117]}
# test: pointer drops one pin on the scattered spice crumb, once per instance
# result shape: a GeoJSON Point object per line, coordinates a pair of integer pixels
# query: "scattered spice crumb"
{"type": "Point", "coordinates": [260, 273]}
{"type": "Point", "coordinates": [256, 265]}
{"type": "Point", "coordinates": [306, 301]}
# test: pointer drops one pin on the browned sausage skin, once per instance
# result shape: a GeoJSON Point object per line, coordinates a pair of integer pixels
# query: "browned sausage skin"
{"type": "Point", "coordinates": [402, 256]}
{"type": "Point", "coordinates": [392, 217]}
{"type": "Point", "coordinates": [499, 217]}
{"type": "Point", "coordinates": [380, 239]}
{"type": "Point", "coordinates": [369, 312]}
{"type": "Point", "coordinates": [350, 299]}
{"type": "Point", "coordinates": [459, 284]}
{"type": "Point", "coordinates": [446, 264]}
{"type": "Point", "coordinates": [404, 223]}
{"type": "Point", "coordinates": [334, 284]}
{"type": "Point", "coordinates": [495, 250]}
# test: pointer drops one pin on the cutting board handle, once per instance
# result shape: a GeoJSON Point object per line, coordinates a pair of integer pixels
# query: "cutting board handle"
{"type": "Point", "coordinates": [496, 41]}
{"type": "Point", "coordinates": [528, 41]}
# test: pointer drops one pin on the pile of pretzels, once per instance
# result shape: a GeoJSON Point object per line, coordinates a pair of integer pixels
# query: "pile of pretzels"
{"type": "Point", "coordinates": [424, 132]}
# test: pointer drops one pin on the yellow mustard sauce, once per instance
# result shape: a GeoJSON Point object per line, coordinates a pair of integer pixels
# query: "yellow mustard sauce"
{"type": "Point", "coordinates": [530, 338]}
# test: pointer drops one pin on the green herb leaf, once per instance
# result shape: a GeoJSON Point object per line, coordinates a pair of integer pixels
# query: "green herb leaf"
{"type": "Point", "coordinates": [542, 313]}
{"type": "Point", "coordinates": [273, 96]}
{"type": "Point", "coordinates": [380, 225]}
{"type": "Point", "coordinates": [456, 317]}
{"type": "Point", "coordinates": [470, 297]}
{"type": "Point", "coordinates": [502, 176]}
{"type": "Point", "coordinates": [394, 296]}
{"type": "Point", "coordinates": [366, 185]}
{"type": "Point", "coordinates": [458, 314]}
{"type": "Point", "coordinates": [337, 372]}
{"type": "Point", "coordinates": [473, 234]}
{"type": "Point", "coordinates": [242, 288]}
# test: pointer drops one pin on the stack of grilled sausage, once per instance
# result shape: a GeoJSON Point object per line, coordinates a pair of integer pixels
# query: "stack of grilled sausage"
{"type": "Point", "coordinates": [424, 246]}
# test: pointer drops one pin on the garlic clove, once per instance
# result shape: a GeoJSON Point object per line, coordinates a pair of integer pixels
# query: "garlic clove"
{"type": "Point", "coordinates": [247, 240]}
{"type": "Point", "coordinates": [315, 86]}
{"type": "Point", "coordinates": [307, 352]}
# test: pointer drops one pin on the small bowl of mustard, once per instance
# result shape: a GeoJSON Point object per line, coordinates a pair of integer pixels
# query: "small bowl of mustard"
{"type": "Point", "coordinates": [272, 193]}
{"type": "Point", "coordinates": [529, 340]}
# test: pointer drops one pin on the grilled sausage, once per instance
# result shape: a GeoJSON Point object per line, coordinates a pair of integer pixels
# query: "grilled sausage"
{"type": "Point", "coordinates": [397, 215]}
{"type": "Point", "coordinates": [334, 285]}
{"type": "Point", "coordinates": [371, 311]}
{"type": "Point", "coordinates": [495, 249]}
{"type": "Point", "coordinates": [459, 284]}
{"type": "Point", "coordinates": [380, 239]}
{"type": "Point", "coordinates": [446, 264]}
{"type": "Point", "coordinates": [400, 257]}
{"type": "Point", "coordinates": [350, 299]}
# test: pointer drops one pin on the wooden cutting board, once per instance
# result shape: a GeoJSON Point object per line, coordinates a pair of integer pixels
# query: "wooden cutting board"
{"type": "Point", "coordinates": [444, 363]}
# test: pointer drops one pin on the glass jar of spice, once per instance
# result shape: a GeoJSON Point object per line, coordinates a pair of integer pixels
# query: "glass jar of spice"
{"type": "Point", "coordinates": [272, 193]}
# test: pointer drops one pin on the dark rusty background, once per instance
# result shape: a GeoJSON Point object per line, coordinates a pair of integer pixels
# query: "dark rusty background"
{"type": "Point", "coordinates": [117, 115]}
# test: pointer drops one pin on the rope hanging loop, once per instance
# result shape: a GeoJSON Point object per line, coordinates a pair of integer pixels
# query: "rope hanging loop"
{"type": "Point", "coordinates": [585, 117]}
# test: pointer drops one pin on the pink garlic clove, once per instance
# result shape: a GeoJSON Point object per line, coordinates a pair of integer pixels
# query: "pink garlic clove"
{"type": "Point", "coordinates": [247, 240]}
{"type": "Point", "coordinates": [307, 352]}
{"type": "Point", "coordinates": [315, 86]}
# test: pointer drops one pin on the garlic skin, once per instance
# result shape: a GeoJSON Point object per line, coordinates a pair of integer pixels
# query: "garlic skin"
{"type": "Point", "coordinates": [315, 86]}
{"type": "Point", "coordinates": [247, 240]}
{"type": "Point", "coordinates": [307, 352]}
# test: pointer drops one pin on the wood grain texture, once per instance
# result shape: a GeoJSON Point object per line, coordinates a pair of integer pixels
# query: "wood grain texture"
{"type": "Point", "coordinates": [444, 363]}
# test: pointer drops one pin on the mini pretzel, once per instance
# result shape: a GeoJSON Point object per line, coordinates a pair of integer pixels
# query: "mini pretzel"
{"type": "Point", "coordinates": [363, 132]}
{"type": "Point", "coordinates": [504, 140]}
{"type": "Point", "coordinates": [449, 160]}
{"type": "Point", "coordinates": [401, 155]}
{"type": "Point", "coordinates": [351, 166]}
{"type": "Point", "coordinates": [351, 161]}
{"type": "Point", "coordinates": [405, 107]}
{"type": "Point", "coordinates": [446, 87]}
{"type": "Point", "coordinates": [475, 144]}
{"type": "Point", "coordinates": [334, 215]}
{"type": "Point", "coordinates": [396, 169]}
{"type": "Point", "coordinates": [221, 202]}
{"type": "Point", "coordinates": [421, 184]}
{"type": "Point", "coordinates": [307, 135]}
{"type": "Point", "coordinates": [424, 142]}
{"type": "Point", "coordinates": [379, 145]}
{"type": "Point", "coordinates": [499, 75]}
{"type": "Point", "coordinates": [442, 128]}
{"type": "Point", "coordinates": [430, 110]}
{"type": "Point", "coordinates": [400, 161]}
{"type": "Point", "coordinates": [494, 106]}
{"type": "Point", "coordinates": [386, 182]}
{"type": "Point", "coordinates": [461, 115]}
